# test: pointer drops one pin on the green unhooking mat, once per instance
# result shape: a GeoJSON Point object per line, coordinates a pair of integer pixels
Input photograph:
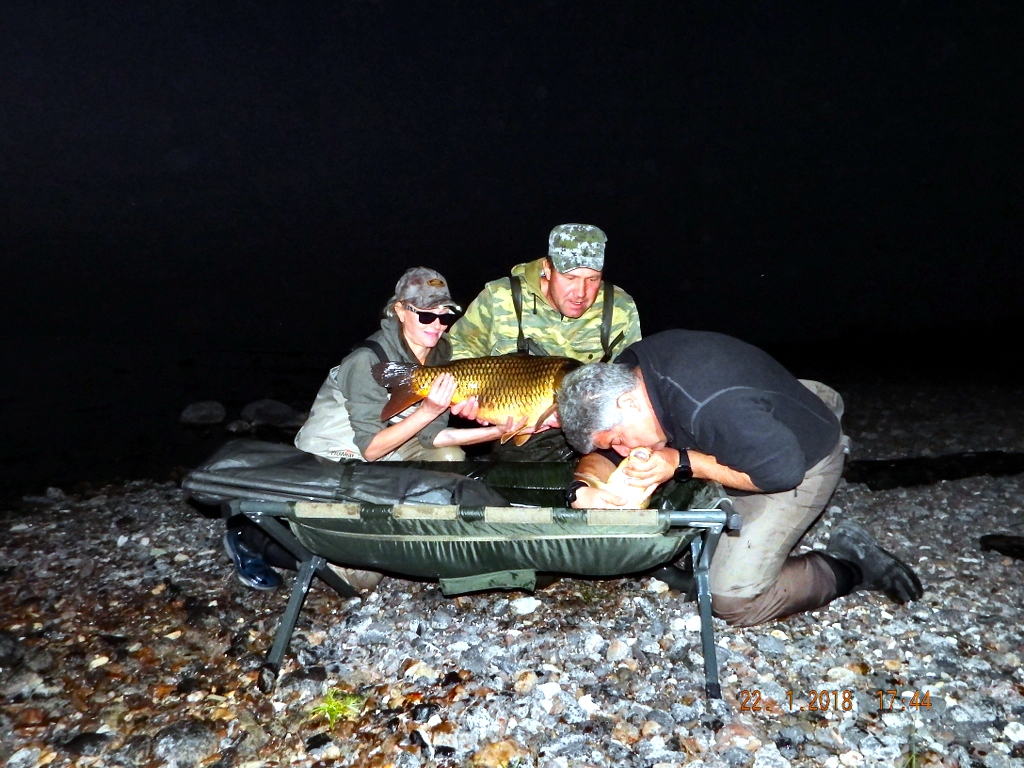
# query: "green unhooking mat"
{"type": "Point", "coordinates": [452, 521]}
{"type": "Point", "coordinates": [469, 549]}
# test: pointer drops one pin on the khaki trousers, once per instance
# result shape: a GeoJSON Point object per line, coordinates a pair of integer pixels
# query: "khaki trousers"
{"type": "Point", "coordinates": [753, 577]}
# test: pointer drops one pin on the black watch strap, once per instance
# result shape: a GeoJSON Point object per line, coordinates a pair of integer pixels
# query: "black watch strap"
{"type": "Point", "coordinates": [683, 472]}
{"type": "Point", "coordinates": [570, 491]}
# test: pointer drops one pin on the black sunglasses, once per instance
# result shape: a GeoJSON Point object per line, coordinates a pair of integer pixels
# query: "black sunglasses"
{"type": "Point", "coordinates": [447, 319]}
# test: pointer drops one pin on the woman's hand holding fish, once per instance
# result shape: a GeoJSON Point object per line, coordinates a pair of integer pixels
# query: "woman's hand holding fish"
{"type": "Point", "coordinates": [468, 409]}
{"type": "Point", "coordinates": [657, 468]}
{"type": "Point", "coordinates": [440, 395]}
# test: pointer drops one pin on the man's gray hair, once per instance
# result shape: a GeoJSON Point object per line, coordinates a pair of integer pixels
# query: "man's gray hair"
{"type": "Point", "coordinates": [587, 401]}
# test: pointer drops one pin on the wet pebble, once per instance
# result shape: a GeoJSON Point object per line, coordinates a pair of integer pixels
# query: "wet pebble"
{"type": "Point", "coordinates": [88, 743]}
{"type": "Point", "coordinates": [185, 744]}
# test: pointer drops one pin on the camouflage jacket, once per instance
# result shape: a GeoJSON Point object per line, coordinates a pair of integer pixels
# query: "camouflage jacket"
{"type": "Point", "coordinates": [489, 326]}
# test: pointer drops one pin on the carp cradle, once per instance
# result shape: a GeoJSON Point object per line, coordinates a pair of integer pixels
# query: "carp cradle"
{"type": "Point", "coordinates": [471, 526]}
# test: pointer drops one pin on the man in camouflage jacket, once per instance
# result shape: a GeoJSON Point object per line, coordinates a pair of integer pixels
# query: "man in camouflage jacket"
{"type": "Point", "coordinates": [563, 305]}
{"type": "Point", "coordinates": [565, 309]}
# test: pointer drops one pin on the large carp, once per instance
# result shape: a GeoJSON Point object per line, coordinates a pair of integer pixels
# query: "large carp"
{"type": "Point", "coordinates": [507, 386]}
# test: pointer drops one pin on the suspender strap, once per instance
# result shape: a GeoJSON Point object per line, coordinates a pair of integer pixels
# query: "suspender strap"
{"type": "Point", "coordinates": [377, 349]}
{"type": "Point", "coordinates": [522, 347]}
{"type": "Point", "coordinates": [606, 322]}
{"type": "Point", "coordinates": [517, 302]}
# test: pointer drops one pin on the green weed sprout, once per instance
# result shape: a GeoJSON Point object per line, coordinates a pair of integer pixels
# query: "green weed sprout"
{"type": "Point", "coordinates": [339, 706]}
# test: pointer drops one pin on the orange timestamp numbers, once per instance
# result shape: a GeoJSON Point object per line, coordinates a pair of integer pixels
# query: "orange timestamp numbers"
{"type": "Point", "coordinates": [891, 701]}
{"type": "Point", "coordinates": [751, 701]}
{"type": "Point", "coordinates": [837, 701]}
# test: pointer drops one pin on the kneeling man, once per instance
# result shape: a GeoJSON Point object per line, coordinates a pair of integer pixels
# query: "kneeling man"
{"type": "Point", "coordinates": [713, 407]}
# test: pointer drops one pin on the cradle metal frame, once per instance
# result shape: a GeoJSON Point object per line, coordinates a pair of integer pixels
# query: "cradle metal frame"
{"type": "Point", "coordinates": [707, 525]}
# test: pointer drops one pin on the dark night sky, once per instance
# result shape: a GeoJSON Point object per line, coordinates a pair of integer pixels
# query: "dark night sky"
{"type": "Point", "coordinates": [196, 178]}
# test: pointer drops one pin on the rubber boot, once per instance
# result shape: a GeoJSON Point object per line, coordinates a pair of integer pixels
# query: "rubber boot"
{"type": "Point", "coordinates": [878, 569]}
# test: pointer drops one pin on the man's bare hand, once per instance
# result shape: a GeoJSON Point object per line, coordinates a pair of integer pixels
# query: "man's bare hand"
{"type": "Point", "coordinates": [596, 498]}
{"type": "Point", "coordinates": [656, 469]}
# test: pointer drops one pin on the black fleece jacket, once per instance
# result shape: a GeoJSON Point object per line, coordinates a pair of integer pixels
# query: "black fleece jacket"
{"type": "Point", "coordinates": [731, 400]}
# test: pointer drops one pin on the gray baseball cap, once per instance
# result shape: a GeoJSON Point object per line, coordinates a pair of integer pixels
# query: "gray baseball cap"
{"type": "Point", "coordinates": [571, 246]}
{"type": "Point", "coordinates": [423, 288]}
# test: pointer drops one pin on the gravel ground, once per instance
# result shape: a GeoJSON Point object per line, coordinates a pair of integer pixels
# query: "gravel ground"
{"type": "Point", "coordinates": [125, 640]}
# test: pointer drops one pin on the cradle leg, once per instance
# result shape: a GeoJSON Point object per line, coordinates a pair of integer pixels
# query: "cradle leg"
{"type": "Point", "coordinates": [701, 563]}
{"type": "Point", "coordinates": [268, 674]}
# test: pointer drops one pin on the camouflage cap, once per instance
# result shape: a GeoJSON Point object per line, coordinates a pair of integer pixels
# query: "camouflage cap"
{"type": "Point", "coordinates": [423, 288]}
{"type": "Point", "coordinates": [572, 246]}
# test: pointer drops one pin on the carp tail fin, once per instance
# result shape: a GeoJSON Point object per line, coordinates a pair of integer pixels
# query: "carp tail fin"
{"type": "Point", "coordinates": [396, 378]}
{"type": "Point", "coordinates": [401, 398]}
{"type": "Point", "coordinates": [392, 374]}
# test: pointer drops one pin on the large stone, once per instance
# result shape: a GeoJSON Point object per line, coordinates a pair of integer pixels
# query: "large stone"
{"type": "Point", "coordinates": [272, 413]}
{"type": "Point", "coordinates": [617, 651]}
{"type": "Point", "coordinates": [88, 743]}
{"type": "Point", "coordinates": [204, 412]}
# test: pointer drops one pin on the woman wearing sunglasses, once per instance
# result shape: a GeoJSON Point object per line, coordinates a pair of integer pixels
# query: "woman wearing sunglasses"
{"type": "Point", "coordinates": [344, 422]}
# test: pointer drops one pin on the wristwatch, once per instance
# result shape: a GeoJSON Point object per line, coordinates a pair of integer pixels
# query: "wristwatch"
{"type": "Point", "coordinates": [570, 491]}
{"type": "Point", "coordinates": [684, 471]}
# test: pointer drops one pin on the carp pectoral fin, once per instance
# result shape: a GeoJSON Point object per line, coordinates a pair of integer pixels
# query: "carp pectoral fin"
{"type": "Point", "coordinates": [518, 435]}
{"type": "Point", "coordinates": [544, 416]}
{"type": "Point", "coordinates": [401, 398]}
